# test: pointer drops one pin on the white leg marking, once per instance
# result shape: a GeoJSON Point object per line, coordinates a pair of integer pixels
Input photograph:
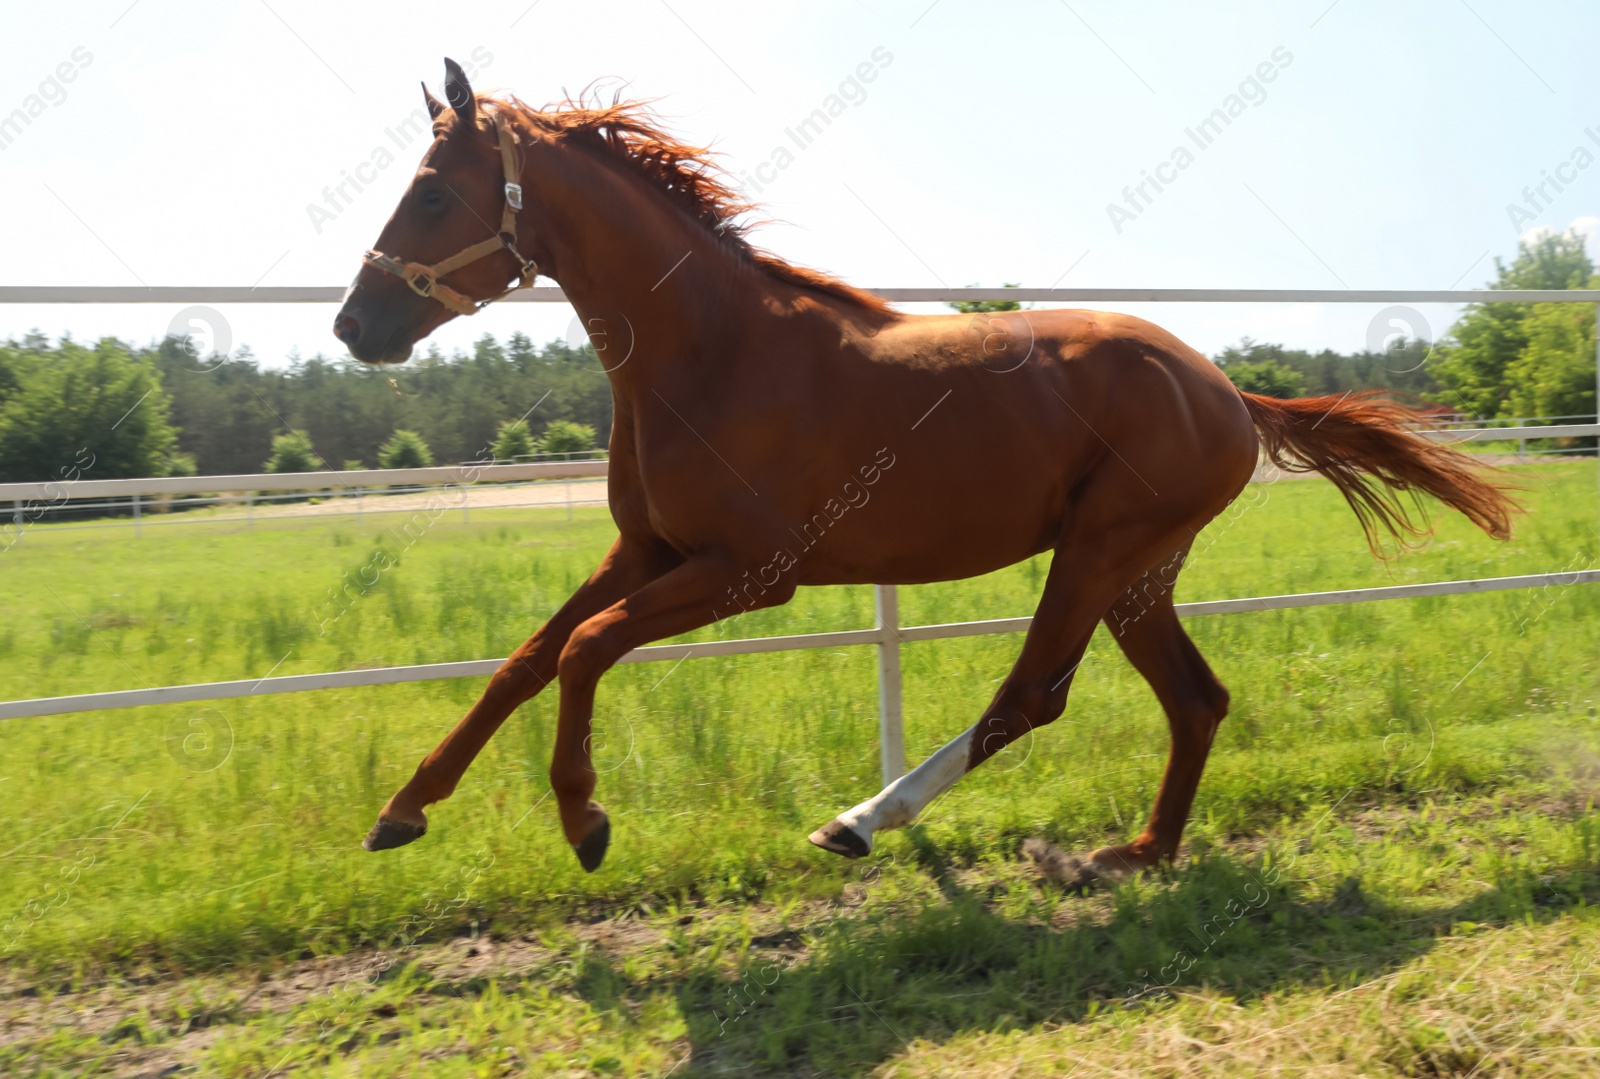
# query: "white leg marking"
{"type": "Point", "coordinates": [898, 804]}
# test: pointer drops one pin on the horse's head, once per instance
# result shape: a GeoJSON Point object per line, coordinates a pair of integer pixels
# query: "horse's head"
{"type": "Point", "coordinates": [456, 220]}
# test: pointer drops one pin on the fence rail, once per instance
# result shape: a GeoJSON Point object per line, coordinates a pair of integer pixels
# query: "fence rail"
{"type": "Point", "coordinates": [463, 474]}
{"type": "Point", "coordinates": [358, 479]}
{"type": "Point", "coordinates": [304, 481]}
{"type": "Point", "coordinates": [226, 294]}
{"type": "Point", "coordinates": [347, 491]}
{"type": "Point", "coordinates": [886, 634]}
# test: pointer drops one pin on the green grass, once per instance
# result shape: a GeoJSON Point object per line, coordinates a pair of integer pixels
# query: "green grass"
{"type": "Point", "coordinates": [1422, 772]}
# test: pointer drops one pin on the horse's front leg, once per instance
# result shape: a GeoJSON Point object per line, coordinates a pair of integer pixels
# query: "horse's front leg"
{"type": "Point", "coordinates": [686, 598]}
{"type": "Point", "coordinates": [629, 566]}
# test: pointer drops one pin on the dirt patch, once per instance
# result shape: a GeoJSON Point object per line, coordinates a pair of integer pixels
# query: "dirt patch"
{"type": "Point", "coordinates": [189, 1006]}
{"type": "Point", "coordinates": [453, 501]}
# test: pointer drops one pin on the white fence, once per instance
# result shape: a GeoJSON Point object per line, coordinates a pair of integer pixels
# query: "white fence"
{"type": "Point", "coordinates": [34, 500]}
{"type": "Point", "coordinates": [172, 500]}
{"type": "Point", "coordinates": [887, 633]}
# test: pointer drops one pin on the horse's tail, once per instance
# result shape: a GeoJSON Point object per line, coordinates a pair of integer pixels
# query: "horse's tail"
{"type": "Point", "coordinates": [1368, 446]}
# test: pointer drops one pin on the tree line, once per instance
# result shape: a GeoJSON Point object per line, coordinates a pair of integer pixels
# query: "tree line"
{"type": "Point", "coordinates": [1498, 361]}
{"type": "Point", "coordinates": [164, 410]}
{"type": "Point", "coordinates": [112, 410]}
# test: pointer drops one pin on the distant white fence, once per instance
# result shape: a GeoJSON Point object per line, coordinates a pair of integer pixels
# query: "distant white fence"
{"type": "Point", "coordinates": [350, 481]}
{"type": "Point", "coordinates": [887, 633]}
{"type": "Point", "coordinates": [30, 501]}
{"type": "Point", "coordinates": [138, 498]}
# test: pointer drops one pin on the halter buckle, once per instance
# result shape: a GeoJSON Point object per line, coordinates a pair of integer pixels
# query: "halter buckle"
{"type": "Point", "coordinates": [421, 282]}
{"type": "Point", "coordinates": [514, 195]}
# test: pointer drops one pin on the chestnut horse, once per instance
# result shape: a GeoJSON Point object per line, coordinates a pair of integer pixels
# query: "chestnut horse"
{"type": "Point", "coordinates": [775, 427]}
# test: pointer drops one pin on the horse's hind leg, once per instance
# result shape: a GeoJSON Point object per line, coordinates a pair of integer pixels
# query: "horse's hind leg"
{"type": "Point", "coordinates": [1146, 627]}
{"type": "Point", "coordinates": [1087, 573]}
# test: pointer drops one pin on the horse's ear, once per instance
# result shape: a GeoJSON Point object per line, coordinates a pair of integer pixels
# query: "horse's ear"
{"type": "Point", "coordinates": [435, 106]}
{"type": "Point", "coordinates": [458, 91]}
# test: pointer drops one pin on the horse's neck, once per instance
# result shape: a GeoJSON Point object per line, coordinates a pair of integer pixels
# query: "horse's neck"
{"type": "Point", "coordinates": [658, 285]}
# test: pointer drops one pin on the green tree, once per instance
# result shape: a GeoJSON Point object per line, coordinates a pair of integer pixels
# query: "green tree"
{"type": "Point", "coordinates": [978, 307]}
{"type": "Point", "coordinates": [292, 452]}
{"type": "Point", "coordinates": [1555, 374]}
{"type": "Point", "coordinates": [1404, 368]}
{"type": "Point", "coordinates": [1266, 378]}
{"type": "Point", "coordinates": [227, 415]}
{"type": "Point", "coordinates": [562, 436]}
{"type": "Point", "coordinates": [521, 353]}
{"type": "Point", "coordinates": [405, 449]}
{"type": "Point", "coordinates": [513, 439]}
{"type": "Point", "coordinates": [95, 412]}
{"type": "Point", "coordinates": [1475, 367]}
{"type": "Point", "coordinates": [15, 363]}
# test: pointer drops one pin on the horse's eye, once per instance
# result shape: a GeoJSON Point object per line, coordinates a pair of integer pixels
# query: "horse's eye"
{"type": "Point", "coordinates": [432, 196]}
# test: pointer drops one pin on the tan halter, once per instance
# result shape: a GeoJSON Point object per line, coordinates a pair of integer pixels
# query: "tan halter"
{"type": "Point", "coordinates": [424, 280]}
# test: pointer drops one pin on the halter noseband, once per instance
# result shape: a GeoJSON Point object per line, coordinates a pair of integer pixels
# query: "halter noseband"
{"type": "Point", "coordinates": [424, 280]}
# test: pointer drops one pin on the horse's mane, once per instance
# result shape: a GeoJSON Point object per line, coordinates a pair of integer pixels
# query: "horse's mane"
{"type": "Point", "coordinates": [632, 134]}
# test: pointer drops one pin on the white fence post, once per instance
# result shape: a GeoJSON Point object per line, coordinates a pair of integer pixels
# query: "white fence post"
{"type": "Point", "coordinates": [136, 515]}
{"type": "Point", "coordinates": [891, 733]}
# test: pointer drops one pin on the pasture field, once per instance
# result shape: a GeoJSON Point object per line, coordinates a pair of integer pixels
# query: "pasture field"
{"type": "Point", "coordinates": [1391, 870]}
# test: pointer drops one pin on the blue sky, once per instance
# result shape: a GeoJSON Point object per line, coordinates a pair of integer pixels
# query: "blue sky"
{"type": "Point", "coordinates": [1384, 153]}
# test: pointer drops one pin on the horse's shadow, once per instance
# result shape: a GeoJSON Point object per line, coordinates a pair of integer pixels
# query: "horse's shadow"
{"type": "Point", "coordinates": [879, 978]}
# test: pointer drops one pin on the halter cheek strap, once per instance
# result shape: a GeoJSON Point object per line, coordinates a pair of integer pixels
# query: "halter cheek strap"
{"type": "Point", "coordinates": [424, 279]}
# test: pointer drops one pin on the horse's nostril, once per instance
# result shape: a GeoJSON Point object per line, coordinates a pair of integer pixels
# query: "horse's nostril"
{"type": "Point", "coordinates": [347, 329]}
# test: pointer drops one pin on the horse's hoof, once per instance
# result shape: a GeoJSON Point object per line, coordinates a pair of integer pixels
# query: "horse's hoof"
{"type": "Point", "coordinates": [840, 839]}
{"type": "Point", "coordinates": [392, 833]}
{"type": "Point", "coordinates": [592, 851]}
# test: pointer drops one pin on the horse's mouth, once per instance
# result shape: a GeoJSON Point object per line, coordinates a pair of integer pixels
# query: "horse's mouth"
{"type": "Point", "coordinates": [395, 349]}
